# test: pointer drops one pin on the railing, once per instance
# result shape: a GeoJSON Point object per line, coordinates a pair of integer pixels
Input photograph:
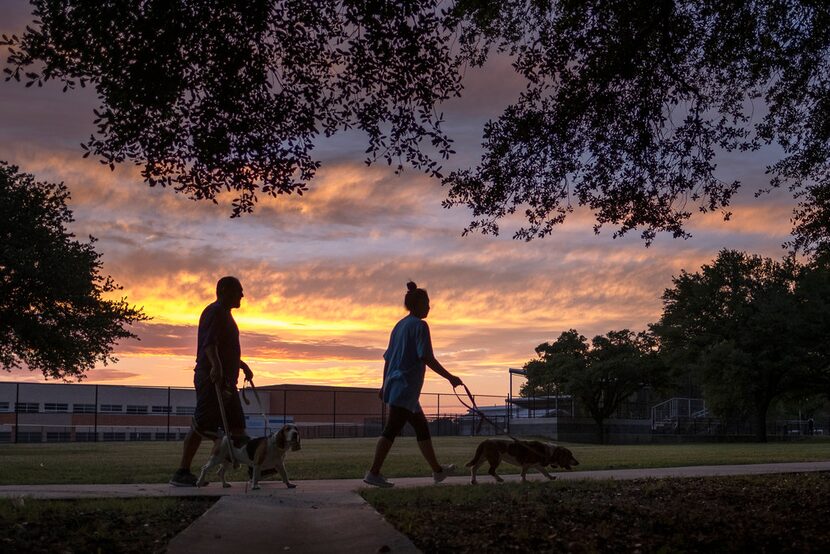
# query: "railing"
{"type": "Point", "coordinates": [669, 411]}
{"type": "Point", "coordinates": [567, 407]}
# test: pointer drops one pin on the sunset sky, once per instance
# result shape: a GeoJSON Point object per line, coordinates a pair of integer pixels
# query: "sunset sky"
{"type": "Point", "coordinates": [324, 274]}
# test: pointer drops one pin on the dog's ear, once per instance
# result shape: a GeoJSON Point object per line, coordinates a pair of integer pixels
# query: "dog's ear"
{"type": "Point", "coordinates": [281, 439]}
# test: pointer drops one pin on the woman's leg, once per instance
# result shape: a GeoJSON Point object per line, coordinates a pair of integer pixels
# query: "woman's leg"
{"type": "Point", "coordinates": [429, 455]}
{"type": "Point", "coordinates": [419, 423]}
{"type": "Point", "coordinates": [397, 419]}
{"type": "Point", "coordinates": [382, 448]}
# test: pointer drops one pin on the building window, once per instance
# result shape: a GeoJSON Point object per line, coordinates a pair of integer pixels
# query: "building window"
{"type": "Point", "coordinates": [161, 409]}
{"type": "Point", "coordinates": [111, 408]}
{"type": "Point", "coordinates": [136, 409]}
{"type": "Point", "coordinates": [84, 436]}
{"type": "Point", "coordinates": [57, 436]}
{"type": "Point", "coordinates": [114, 436]}
{"type": "Point", "coordinates": [185, 410]}
{"type": "Point", "coordinates": [4, 406]}
{"type": "Point", "coordinates": [55, 407]}
{"type": "Point", "coordinates": [29, 436]}
{"type": "Point", "coordinates": [141, 436]}
{"type": "Point", "coordinates": [83, 408]}
{"type": "Point", "coordinates": [27, 407]}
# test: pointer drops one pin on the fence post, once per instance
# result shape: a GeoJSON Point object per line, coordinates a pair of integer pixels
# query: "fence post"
{"type": "Point", "coordinates": [334, 414]}
{"type": "Point", "coordinates": [438, 417]}
{"type": "Point", "coordinates": [17, 413]}
{"type": "Point", "coordinates": [169, 409]}
{"type": "Point", "coordinates": [95, 420]}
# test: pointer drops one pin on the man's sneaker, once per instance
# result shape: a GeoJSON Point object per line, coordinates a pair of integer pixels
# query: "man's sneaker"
{"type": "Point", "coordinates": [183, 478]}
{"type": "Point", "coordinates": [377, 480]}
{"type": "Point", "coordinates": [446, 471]}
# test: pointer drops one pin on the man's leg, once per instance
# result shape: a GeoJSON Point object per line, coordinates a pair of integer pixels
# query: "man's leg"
{"type": "Point", "coordinates": [191, 444]}
{"type": "Point", "coordinates": [236, 419]}
{"type": "Point", "coordinates": [203, 425]}
{"type": "Point", "coordinates": [183, 477]}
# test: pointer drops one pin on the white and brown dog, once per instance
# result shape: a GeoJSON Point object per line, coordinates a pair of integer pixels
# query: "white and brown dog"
{"type": "Point", "coordinates": [259, 453]}
{"type": "Point", "coordinates": [525, 454]}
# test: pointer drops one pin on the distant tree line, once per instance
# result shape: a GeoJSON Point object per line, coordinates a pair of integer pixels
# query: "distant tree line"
{"type": "Point", "coordinates": [749, 330]}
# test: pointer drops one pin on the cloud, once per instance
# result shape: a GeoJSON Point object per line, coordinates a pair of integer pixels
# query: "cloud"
{"type": "Point", "coordinates": [325, 273]}
{"type": "Point", "coordinates": [116, 375]}
{"type": "Point", "coordinates": [180, 340]}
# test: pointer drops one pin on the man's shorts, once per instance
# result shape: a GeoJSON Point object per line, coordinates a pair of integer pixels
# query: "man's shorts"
{"type": "Point", "coordinates": [208, 418]}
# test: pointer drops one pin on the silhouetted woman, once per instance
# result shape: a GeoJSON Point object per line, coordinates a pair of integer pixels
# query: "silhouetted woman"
{"type": "Point", "coordinates": [405, 362]}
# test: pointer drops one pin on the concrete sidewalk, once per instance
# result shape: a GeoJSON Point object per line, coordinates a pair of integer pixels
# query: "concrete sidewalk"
{"type": "Point", "coordinates": [325, 516]}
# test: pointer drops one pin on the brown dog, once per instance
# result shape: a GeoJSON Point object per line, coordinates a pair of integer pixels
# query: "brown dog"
{"type": "Point", "coordinates": [525, 454]}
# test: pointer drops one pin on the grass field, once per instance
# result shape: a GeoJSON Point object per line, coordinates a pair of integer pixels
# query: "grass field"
{"type": "Point", "coordinates": [135, 525]}
{"type": "Point", "coordinates": [154, 462]}
{"type": "Point", "coordinates": [766, 513]}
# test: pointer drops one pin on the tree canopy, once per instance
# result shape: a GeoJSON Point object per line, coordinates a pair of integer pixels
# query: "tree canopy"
{"type": "Point", "coordinates": [54, 317]}
{"type": "Point", "coordinates": [601, 375]}
{"type": "Point", "coordinates": [751, 330]}
{"type": "Point", "coordinates": [232, 95]}
{"type": "Point", "coordinates": [628, 108]}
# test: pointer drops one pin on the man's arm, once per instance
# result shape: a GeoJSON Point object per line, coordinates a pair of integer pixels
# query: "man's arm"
{"type": "Point", "coordinates": [216, 373]}
{"type": "Point", "coordinates": [249, 375]}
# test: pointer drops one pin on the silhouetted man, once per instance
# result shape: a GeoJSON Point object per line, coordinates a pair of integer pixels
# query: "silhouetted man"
{"type": "Point", "coordinates": [218, 360]}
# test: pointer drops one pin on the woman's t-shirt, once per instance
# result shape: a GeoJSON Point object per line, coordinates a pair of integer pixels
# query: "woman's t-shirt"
{"type": "Point", "coordinates": [409, 346]}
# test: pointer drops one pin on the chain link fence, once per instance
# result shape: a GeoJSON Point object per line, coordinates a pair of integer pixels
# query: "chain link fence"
{"type": "Point", "coordinates": [37, 413]}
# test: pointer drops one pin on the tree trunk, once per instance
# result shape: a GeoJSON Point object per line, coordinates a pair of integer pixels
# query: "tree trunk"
{"type": "Point", "coordinates": [761, 422]}
{"type": "Point", "coordinates": [600, 430]}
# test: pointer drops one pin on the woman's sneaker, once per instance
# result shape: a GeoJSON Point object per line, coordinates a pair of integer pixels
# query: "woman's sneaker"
{"type": "Point", "coordinates": [377, 480]}
{"type": "Point", "coordinates": [446, 471]}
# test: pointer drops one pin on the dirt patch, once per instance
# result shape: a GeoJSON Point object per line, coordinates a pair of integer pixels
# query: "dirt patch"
{"type": "Point", "coordinates": [133, 525]}
{"type": "Point", "coordinates": [776, 513]}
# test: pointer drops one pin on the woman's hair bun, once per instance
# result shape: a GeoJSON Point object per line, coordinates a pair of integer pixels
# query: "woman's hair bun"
{"type": "Point", "coordinates": [410, 286]}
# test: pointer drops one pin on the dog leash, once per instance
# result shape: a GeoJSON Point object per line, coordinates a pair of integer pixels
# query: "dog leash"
{"type": "Point", "coordinates": [474, 408]}
{"type": "Point", "coordinates": [258, 401]}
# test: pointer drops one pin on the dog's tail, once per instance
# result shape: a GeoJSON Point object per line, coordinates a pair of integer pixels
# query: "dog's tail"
{"type": "Point", "coordinates": [477, 457]}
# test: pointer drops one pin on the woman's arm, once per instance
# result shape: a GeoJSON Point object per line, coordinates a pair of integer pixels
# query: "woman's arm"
{"type": "Point", "coordinates": [385, 369]}
{"type": "Point", "coordinates": [436, 366]}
